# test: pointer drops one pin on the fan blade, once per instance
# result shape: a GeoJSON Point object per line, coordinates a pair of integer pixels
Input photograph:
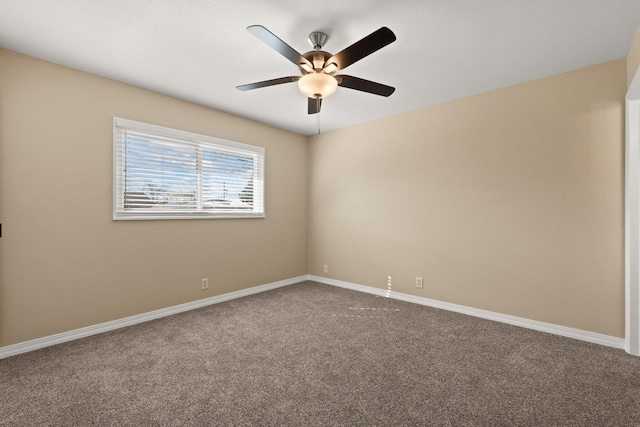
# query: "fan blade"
{"type": "Point", "coordinates": [281, 47]}
{"type": "Point", "coordinates": [313, 106]}
{"type": "Point", "coordinates": [366, 46]}
{"type": "Point", "coordinates": [364, 85]}
{"type": "Point", "coordinates": [266, 83]}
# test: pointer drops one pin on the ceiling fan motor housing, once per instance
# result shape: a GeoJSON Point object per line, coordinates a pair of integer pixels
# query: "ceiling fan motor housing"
{"type": "Point", "coordinates": [317, 58]}
{"type": "Point", "coordinates": [317, 83]}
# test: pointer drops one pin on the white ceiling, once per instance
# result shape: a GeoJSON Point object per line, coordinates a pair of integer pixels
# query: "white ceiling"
{"type": "Point", "coordinates": [199, 50]}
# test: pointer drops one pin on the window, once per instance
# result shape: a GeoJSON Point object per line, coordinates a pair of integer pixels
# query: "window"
{"type": "Point", "coordinates": [162, 173]}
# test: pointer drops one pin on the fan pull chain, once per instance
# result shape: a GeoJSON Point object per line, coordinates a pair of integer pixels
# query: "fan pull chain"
{"type": "Point", "coordinates": [318, 118]}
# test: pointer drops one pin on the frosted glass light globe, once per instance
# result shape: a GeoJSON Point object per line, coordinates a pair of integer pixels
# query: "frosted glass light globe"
{"type": "Point", "coordinates": [317, 85]}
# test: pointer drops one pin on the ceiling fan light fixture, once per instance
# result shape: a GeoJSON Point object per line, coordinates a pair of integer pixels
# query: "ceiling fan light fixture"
{"type": "Point", "coordinates": [317, 85]}
{"type": "Point", "coordinates": [306, 68]}
{"type": "Point", "coordinates": [330, 68]}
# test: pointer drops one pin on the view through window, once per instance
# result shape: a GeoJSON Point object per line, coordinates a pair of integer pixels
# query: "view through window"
{"type": "Point", "coordinates": [163, 173]}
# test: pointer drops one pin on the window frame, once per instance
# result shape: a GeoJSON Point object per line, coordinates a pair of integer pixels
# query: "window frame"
{"type": "Point", "coordinates": [120, 126]}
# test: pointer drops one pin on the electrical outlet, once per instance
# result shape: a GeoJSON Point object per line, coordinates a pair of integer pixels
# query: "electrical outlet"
{"type": "Point", "coordinates": [326, 268]}
{"type": "Point", "coordinates": [419, 282]}
{"type": "Point", "coordinates": [204, 284]}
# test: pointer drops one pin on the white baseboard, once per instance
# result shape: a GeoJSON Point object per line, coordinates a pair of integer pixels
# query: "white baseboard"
{"type": "Point", "coordinates": [38, 343]}
{"type": "Point", "coordinates": [564, 331]}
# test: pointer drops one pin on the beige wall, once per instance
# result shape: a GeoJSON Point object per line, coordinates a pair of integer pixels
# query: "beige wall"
{"type": "Point", "coordinates": [65, 263]}
{"type": "Point", "coordinates": [509, 201]}
{"type": "Point", "coordinates": [633, 58]}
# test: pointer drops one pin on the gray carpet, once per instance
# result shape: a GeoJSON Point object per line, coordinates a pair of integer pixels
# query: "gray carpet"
{"type": "Point", "coordinates": [315, 355]}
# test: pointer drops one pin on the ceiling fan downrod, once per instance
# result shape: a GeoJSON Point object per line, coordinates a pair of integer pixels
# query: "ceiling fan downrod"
{"type": "Point", "coordinates": [317, 39]}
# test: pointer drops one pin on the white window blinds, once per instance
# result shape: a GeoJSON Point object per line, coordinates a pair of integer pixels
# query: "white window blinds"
{"type": "Point", "coordinates": [162, 173]}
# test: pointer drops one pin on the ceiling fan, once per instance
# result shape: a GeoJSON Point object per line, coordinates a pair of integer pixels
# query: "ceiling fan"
{"type": "Point", "coordinates": [318, 68]}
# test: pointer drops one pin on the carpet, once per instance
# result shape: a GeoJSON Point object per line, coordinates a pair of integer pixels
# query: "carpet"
{"type": "Point", "coordinates": [316, 355]}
